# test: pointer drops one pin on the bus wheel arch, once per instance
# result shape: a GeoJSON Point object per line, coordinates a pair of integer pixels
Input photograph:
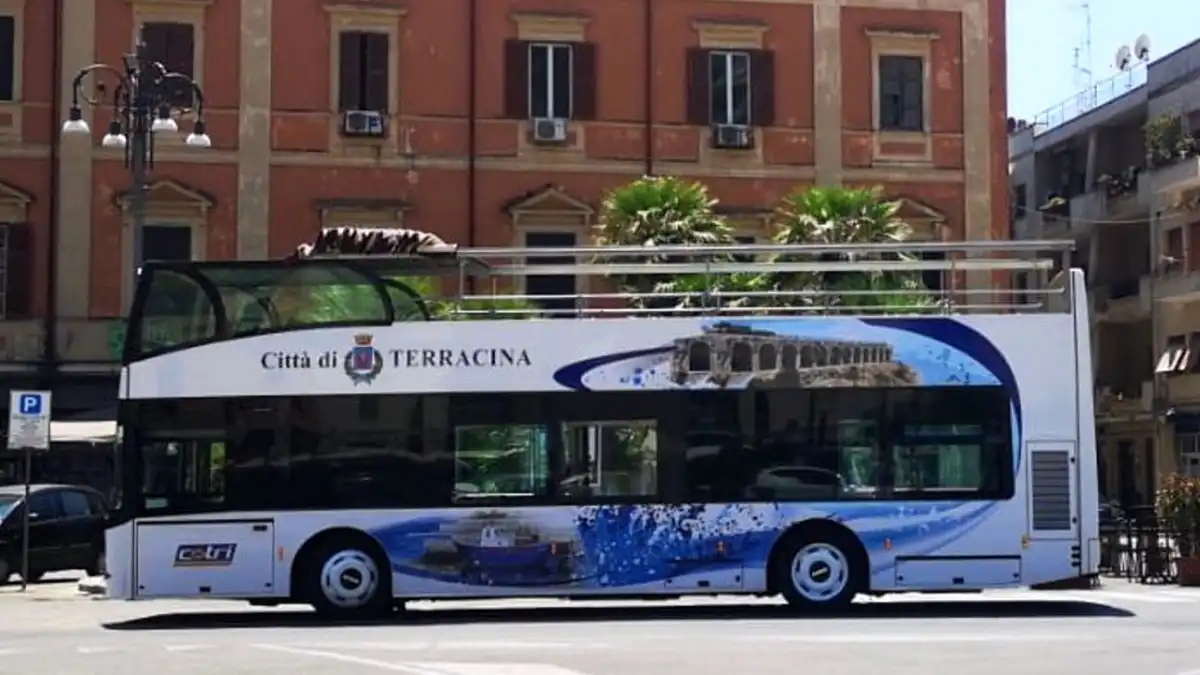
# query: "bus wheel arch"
{"type": "Point", "coordinates": [827, 544]}
{"type": "Point", "coordinates": [343, 572]}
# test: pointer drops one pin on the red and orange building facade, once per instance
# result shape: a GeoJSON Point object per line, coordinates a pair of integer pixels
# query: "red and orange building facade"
{"type": "Point", "coordinates": [488, 122]}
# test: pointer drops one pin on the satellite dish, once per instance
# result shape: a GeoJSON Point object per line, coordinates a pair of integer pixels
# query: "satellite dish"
{"type": "Point", "coordinates": [1124, 58]}
{"type": "Point", "coordinates": [1141, 47]}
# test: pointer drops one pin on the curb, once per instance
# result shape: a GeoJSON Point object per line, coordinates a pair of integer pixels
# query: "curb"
{"type": "Point", "coordinates": [93, 586]}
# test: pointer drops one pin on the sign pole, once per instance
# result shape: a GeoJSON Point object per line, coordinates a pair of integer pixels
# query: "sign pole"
{"type": "Point", "coordinates": [28, 430]}
{"type": "Point", "coordinates": [25, 520]}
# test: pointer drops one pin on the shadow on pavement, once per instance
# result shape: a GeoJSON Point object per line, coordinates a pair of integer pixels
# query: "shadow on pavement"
{"type": "Point", "coordinates": [869, 611]}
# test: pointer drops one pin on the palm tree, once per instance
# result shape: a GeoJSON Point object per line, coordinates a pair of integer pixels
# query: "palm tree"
{"type": "Point", "coordinates": [661, 211]}
{"type": "Point", "coordinates": [839, 215]}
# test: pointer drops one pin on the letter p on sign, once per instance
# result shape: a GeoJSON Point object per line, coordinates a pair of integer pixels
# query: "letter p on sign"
{"type": "Point", "coordinates": [31, 404]}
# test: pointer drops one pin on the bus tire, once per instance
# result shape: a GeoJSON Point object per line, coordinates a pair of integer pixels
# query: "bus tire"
{"type": "Point", "coordinates": [821, 569]}
{"type": "Point", "coordinates": [348, 577]}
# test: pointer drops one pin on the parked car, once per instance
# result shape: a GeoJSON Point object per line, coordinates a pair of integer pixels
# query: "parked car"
{"type": "Point", "coordinates": [66, 529]}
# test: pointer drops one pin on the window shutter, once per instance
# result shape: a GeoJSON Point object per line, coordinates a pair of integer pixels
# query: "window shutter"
{"type": "Point", "coordinates": [697, 87]}
{"type": "Point", "coordinates": [18, 287]}
{"type": "Point", "coordinates": [181, 46]}
{"type": "Point", "coordinates": [584, 81]}
{"type": "Point", "coordinates": [762, 88]}
{"type": "Point", "coordinates": [350, 71]}
{"type": "Point", "coordinates": [8, 27]}
{"type": "Point", "coordinates": [155, 37]}
{"type": "Point", "coordinates": [376, 69]}
{"type": "Point", "coordinates": [516, 83]}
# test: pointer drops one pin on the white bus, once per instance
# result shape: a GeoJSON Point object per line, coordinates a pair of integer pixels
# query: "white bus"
{"type": "Point", "coordinates": [309, 431]}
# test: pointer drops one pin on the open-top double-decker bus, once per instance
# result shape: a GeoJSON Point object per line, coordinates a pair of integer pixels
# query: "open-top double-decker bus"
{"type": "Point", "coordinates": [320, 430]}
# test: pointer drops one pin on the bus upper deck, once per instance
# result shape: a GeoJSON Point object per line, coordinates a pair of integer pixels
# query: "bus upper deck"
{"type": "Point", "coordinates": [365, 277]}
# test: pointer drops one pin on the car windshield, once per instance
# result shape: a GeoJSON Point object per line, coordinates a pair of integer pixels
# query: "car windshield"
{"type": "Point", "coordinates": [7, 503]}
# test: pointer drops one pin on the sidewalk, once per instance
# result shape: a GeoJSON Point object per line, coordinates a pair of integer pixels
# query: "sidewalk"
{"type": "Point", "coordinates": [56, 586]}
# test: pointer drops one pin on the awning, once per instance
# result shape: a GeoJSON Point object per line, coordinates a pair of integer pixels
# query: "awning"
{"type": "Point", "coordinates": [83, 432]}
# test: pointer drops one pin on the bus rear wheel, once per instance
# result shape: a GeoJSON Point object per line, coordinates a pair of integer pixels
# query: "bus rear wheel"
{"type": "Point", "coordinates": [818, 573]}
{"type": "Point", "coordinates": [345, 578]}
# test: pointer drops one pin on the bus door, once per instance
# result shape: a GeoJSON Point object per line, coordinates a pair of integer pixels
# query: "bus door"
{"type": "Point", "coordinates": [1053, 490]}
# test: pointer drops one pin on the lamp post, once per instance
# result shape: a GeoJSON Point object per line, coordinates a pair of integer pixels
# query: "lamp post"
{"type": "Point", "coordinates": [145, 95]}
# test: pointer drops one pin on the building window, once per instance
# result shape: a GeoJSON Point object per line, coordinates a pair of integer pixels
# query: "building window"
{"type": "Point", "coordinates": [1020, 202]}
{"type": "Point", "coordinates": [1173, 249]}
{"type": "Point", "coordinates": [174, 46]}
{"type": "Point", "coordinates": [729, 88]}
{"type": "Point", "coordinates": [1187, 446]}
{"type": "Point", "coordinates": [166, 242]}
{"type": "Point", "coordinates": [901, 93]}
{"type": "Point", "coordinates": [364, 78]}
{"type": "Point", "coordinates": [1175, 357]}
{"type": "Point", "coordinates": [550, 80]}
{"type": "Point", "coordinates": [8, 58]}
{"type": "Point", "coordinates": [554, 293]}
{"type": "Point", "coordinates": [15, 271]}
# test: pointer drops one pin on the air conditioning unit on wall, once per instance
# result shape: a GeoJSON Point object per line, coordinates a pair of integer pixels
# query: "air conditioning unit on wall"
{"type": "Point", "coordinates": [732, 137]}
{"type": "Point", "coordinates": [364, 124]}
{"type": "Point", "coordinates": [549, 130]}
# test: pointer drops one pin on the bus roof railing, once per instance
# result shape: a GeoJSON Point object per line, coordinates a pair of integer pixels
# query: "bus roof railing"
{"type": "Point", "coordinates": [406, 251]}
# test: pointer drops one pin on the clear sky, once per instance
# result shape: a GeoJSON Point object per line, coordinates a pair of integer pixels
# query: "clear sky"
{"type": "Point", "coordinates": [1043, 36]}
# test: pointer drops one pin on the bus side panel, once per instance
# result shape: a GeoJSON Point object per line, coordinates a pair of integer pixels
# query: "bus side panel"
{"type": "Point", "coordinates": [119, 556]}
{"type": "Point", "coordinates": [1088, 476]}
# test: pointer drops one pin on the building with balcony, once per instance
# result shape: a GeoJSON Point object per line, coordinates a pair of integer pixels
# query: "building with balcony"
{"type": "Point", "coordinates": [494, 122]}
{"type": "Point", "coordinates": [1122, 179]}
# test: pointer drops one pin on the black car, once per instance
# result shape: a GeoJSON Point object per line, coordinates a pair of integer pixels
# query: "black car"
{"type": "Point", "coordinates": [66, 529]}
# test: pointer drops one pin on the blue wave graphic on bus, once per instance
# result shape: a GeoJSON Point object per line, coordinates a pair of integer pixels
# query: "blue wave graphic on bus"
{"type": "Point", "coordinates": [633, 545]}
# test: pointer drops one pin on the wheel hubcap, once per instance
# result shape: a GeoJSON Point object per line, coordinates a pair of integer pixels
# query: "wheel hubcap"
{"type": "Point", "coordinates": [350, 579]}
{"type": "Point", "coordinates": [820, 572]}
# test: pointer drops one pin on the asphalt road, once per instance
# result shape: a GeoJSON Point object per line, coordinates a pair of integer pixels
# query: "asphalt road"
{"type": "Point", "coordinates": [1122, 628]}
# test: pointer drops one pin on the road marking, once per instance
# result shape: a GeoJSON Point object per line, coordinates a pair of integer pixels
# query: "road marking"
{"type": "Point", "coordinates": [1149, 596]}
{"type": "Point", "coordinates": [378, 646]}
{"type": "Point", "coordinates": [96, 650]}
{"type": "Point", "coordinates": [454, 645]}
{"type": "Point", "coordinates": [494, 668]}
{"type": "Point", "coordinates": [347, 658]}
{"type": "Point", "coordinates": [906, 638]}
{"type": "Point", "coordinates": [187, 648]}
{"type": "Point", "coordinates": [499, 645]}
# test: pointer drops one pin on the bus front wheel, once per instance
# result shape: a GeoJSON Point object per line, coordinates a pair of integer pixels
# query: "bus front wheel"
{"type": "Point", "coordinates": [818, 572]}
{"type": "Point", "coordinates": [345, 578]}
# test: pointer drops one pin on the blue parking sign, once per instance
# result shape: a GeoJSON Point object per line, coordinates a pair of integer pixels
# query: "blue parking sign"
{"type": "Point", "coordinates": [29, 420]}
{"type": "Point", "coordinates": [30, 404]}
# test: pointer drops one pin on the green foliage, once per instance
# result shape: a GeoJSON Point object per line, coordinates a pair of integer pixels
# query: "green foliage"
{"type": "Point", "coordinates": [833, 216]}
{"type": "Point", "coordinates": [658, 211]}
{"type": "Point", "coordinates": [1178, 504]}
{"type": "Point", "coordinates": [661, 211]}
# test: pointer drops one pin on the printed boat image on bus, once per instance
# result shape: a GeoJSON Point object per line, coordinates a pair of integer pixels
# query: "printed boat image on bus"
{"type": "Point", "coordinates": [486, 548]}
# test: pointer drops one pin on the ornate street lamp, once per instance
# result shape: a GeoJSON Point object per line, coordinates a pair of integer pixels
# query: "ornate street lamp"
{"type": "Point", "coordinates": [145, 95]}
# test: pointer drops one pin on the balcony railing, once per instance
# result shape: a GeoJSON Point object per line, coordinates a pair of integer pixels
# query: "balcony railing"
{"type": "Point", "coordinates": [1180, 175]}
{"type": "Point", "coordinates": [1122, 301]}
{"type": "Point", "coordinates": [1089, 99]}
{"type": "Point", "coordinates": [1129, 399]}
{"type": "Point", "coordinates": [1177, 284]}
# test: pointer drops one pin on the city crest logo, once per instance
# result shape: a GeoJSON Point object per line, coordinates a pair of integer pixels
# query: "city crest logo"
{"type": "Point", "coordinates": [363, 362]}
